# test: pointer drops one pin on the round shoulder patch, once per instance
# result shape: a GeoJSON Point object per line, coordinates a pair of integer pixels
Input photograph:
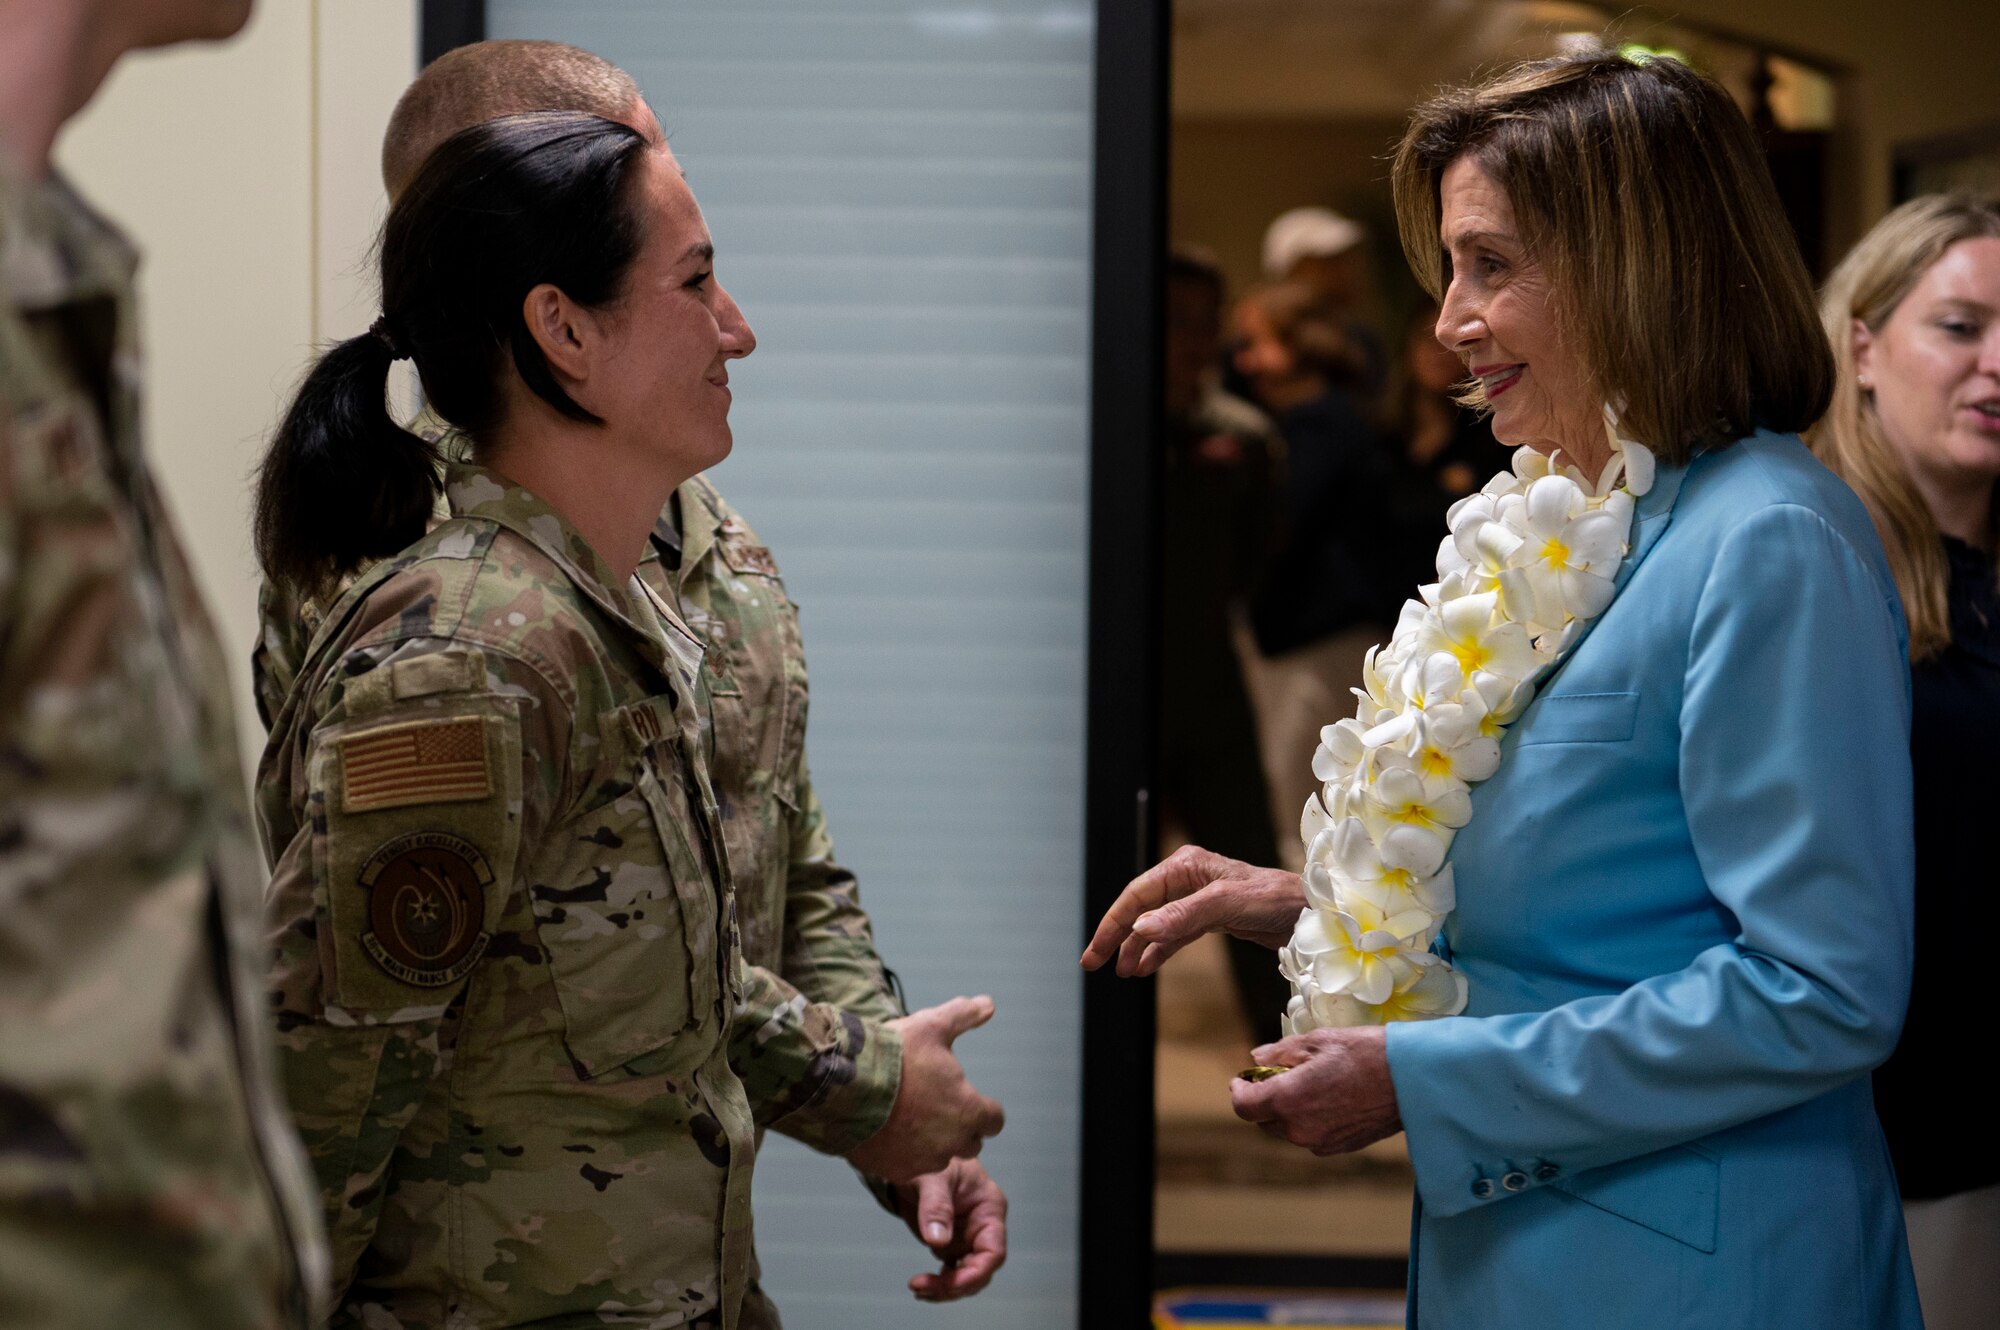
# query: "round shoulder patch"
{"type": "Point", "coordinates": [426, 905]}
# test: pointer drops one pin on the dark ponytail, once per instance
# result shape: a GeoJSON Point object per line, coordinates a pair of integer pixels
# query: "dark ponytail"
{"type": "Point", "coordinates": [343, 484]}
{"type": "Point", "coordinates": [497, 210]}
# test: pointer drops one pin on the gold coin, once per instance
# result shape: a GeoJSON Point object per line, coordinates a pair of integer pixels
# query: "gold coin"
{"type": "Point", "coordinates": [1260, 1073]}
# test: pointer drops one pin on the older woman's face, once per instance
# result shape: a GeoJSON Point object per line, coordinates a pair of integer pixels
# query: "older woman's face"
{"type": "Point", "coordinates": [1934, 367]}
{"type": "Point", "coordinates": [1497, 318]}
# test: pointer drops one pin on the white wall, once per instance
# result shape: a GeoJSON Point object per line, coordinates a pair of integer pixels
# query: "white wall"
{"type": "Point", "coordinates": [246, 172]}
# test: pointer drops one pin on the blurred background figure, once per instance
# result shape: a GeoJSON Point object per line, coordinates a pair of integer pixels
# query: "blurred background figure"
{"type": "Point", "coordinates": [1443, 450]}
{"type": "Point", "coordinates": [1324, 599]}
{"type": "Point", "coordinates": [1216, 525]}
{"type": "Point", "coordinates": [1324, 252]}
{"type": "Point", "coordinates": [1914, 316]}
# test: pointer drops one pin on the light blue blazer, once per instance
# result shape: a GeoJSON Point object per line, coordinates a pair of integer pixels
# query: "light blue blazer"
{"type": "Point", "coordinates": [1684, 915]}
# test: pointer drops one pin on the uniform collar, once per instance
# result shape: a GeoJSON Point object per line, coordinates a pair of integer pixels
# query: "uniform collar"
{"type": "Point", "coordinates": [55, 249]}
{"type": "Point", "coordinates": [481, 494]}
{"type": "Point", "coordinates": [701, 521]}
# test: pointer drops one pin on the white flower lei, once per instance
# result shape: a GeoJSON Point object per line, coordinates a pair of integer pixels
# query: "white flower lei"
{"type": "Point", "coordinates": [1531, 559]}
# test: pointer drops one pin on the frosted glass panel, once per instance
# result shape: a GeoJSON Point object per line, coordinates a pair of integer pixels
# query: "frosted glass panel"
{"type": "Point", "coordinates": [900, 196]}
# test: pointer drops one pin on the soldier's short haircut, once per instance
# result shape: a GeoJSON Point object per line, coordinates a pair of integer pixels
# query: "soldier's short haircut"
{"type": "Point", "coordinates": [471, 84]}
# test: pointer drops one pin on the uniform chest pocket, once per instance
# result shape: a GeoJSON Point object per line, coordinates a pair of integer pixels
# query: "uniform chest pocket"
{"type": "Point", "coordinates": [633, 927]}
{"type": "Point", "coordinates": [1580, 718]}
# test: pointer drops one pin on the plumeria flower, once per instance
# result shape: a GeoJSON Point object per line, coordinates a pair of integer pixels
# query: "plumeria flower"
{"type": "Point", "coordinates": [1378, 698]}
{"type": "Point", "coordinates": [1570, 552]}
{"type": "Point", "coordinates": [1482, 642]}
{"type": "Point", "coordinates": [1411, 905]}
{"type": "Point", "coordinates": [1435, 989]}
{"type": "Point", "coordinates": [1313, 820]}
{"type": "Point", "coordinates": [1445, 743]}
{"type": "Point", "coordinates": [1324, 1011]}
{"type": "Point", "coordinates": [1360, 865]}
{"type": "Point", "coordinates": [1338, 953]}
{"type": "Point", "coordinates": [1486, 549]}
{"type": "Point", "coordinates": [1342, 752]}
{"type": "Point", "coordinates": [1412, 820]}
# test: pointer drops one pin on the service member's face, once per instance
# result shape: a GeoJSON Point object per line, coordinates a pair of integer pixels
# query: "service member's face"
{"type": "Point", "coordinates": [1498, 319]}
{"type": "Point", "coordinates": [665, 365]}
{"type": "Point", "coordinates": [1935, 368]}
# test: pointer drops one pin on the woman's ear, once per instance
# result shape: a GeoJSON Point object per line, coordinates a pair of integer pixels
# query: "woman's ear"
{"type": "Point", "coordinates": [563, 330]}
{"type": "Point", "coordinates": [1864, 353]}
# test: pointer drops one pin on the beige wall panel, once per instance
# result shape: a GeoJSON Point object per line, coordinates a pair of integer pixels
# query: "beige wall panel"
{"type": "Point", "coordinates": [204, 155]}
{"type": "Point", "coordinates": [246, 174]}
{"type": "Point", "coordinates": [367, 56]}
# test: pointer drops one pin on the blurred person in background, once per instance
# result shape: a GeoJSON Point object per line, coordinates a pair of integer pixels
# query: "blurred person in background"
{"type": "Point", "coordinates": [1222, 456]}
{"type": "Point", "coordinates": [1324, 599]}
{"type": "Point", "coordinates": [1328, 253]}
{"type": "Point", "coordinates": [1914, 317]}
{"type": "Point", "coordinates": [1443, 449]}
{"type": "Point", "coordinates": [148, 1172]}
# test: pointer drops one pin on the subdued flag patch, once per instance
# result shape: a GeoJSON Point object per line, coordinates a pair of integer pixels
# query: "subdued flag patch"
{"type": "Point", "coordinates": [417, 762]}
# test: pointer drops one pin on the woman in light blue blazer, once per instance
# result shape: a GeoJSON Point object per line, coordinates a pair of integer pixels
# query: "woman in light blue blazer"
{"type": "Point", "coordinates": [1683, 911]}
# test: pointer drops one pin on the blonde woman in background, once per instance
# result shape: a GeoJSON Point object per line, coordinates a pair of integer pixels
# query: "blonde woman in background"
{"type": "Point", "coordinates": [1914, 316]}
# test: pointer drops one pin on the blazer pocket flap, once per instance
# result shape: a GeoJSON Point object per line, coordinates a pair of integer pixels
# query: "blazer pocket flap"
{"type": "Point", "coordinates": [1581, 718]}
{"type": "Point", "coordinates": [1675, 1192]}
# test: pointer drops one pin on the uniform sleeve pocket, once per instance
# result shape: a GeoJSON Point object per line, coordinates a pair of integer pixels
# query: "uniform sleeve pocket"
{"type": "Point", "coordinates": [1580, 718]}
{"type": "Point", "coordinates": [417, 825]}
{"type": "Point", "coordinates": [1676, 1192]}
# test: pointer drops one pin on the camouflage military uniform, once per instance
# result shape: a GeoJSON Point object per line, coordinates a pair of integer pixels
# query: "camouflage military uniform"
{"type": "Point", "coordinates": [148, 1175]}
{"type": "Point", "coordinates": [508, 974]}
{"type": "Point", "coordinates": [801, 912]}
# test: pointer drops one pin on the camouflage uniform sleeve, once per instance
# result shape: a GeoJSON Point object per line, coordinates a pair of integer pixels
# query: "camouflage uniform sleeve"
{"type": "Point", "coordinates": [820, 1075]}
{"type": "Point", "coordinates": [423, 781]}
{"type": "Point", "coordinates": [282, 637]}
{"type": "Point", "coordinates": [829, 944]}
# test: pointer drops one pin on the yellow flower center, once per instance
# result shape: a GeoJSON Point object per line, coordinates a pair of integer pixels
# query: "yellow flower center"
{"type": "Point", "coordinates": [1434, 762]}
{"type": "Point", "coordinates": [1555, 553]}
{"type": "Point", "coordinates": [1470, 655]}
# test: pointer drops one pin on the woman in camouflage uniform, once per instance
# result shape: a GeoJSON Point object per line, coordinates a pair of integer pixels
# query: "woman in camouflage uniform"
{"type": "Point", "coordinates": [506, 946]}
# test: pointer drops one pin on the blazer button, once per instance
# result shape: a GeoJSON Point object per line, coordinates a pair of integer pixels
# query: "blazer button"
{"type": "Point", "coordinates": [1515, 1181]}
{"type": "Point", "coordinates": [1547, 1173]}
{"type": "Point", "coordinates": [1483, 1188]}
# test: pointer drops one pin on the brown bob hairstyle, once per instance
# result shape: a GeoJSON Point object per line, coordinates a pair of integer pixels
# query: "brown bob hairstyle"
{"type": "Point", "coordinates": [1641, 191]}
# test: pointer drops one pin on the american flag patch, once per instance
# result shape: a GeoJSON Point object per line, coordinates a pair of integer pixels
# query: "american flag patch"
{"type": "Point", "coordinates": [420, 762]}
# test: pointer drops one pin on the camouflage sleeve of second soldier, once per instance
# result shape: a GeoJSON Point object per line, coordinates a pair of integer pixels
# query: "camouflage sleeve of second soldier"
{"type": "Point", "coordinates": [391, 788]}
{"type": "Point", "coordinates": [840, 1091]}
{"type": "Point", "coordinates": [829, 943]}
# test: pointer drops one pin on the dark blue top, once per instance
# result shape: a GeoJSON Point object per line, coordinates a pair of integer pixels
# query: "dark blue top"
{"type": "Point", "coordinates": [1936, 1124]}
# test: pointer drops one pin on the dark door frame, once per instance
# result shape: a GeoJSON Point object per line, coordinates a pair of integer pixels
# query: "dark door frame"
{"type": "Point", "coordinates": [1115, 1177]}
{"type": "Point", "coordinates": [1115, 1214]}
